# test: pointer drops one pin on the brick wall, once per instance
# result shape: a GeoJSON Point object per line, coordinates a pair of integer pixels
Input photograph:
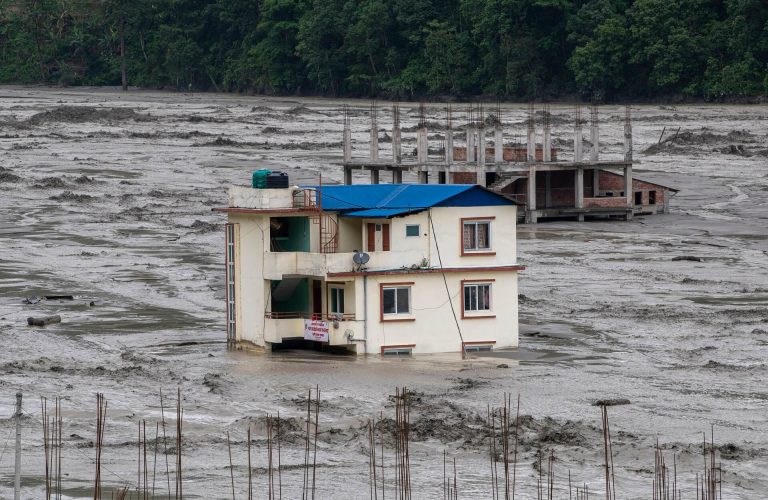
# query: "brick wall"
{"type": "Point", "coordinates": [606, 202]}
{"type": "Point", "coordinates": [510, 154]}
{"type": "Point", "coordinates": [610, 181]}
{"type": "Point", "coordinates": [464, 178]}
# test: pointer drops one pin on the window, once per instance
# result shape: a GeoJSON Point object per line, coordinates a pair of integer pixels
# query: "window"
{"type": "Point", "coordinates": [396, 300]}
{"type": "Point", "coordinates": [397, 350]}
{"type": "Point", "coordinates": [412, 230]}
{"type": "Point", "coordinates": [477, 297]}
{"type": "Point", "coordinates": [472, 347]}
{"type": "Point", "coordinates": [476, 235]}
{"type": "Point", "coordinates": [651, 197]}
{"type": "Point", "coordinates": [337, 300]}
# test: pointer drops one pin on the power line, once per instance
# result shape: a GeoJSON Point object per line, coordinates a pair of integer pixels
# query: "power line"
{"type": "Point", "coordinates": [445, 281]}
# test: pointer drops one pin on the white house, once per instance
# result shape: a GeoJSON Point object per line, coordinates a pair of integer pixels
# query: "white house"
{"type": "Point", "coordinates": [440, 270]}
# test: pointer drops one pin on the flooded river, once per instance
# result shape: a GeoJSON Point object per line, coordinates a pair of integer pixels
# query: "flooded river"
{"type": "Point", "coordinates": [107, 196]}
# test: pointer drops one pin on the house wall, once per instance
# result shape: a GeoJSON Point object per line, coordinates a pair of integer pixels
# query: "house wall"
{"type": "Point", "coordinates": [510, 154]}
{"type": "Point", "coordinates": [448, 228]}
{"type": "Point", "coordinates": [252, 289]}
{"type": "Point", "coordinates": [610, 181]}
{"type": "Point", "coordinates": [431, 326]}
{"type": "Point", "coordinates": [464, 178]}
{"type": "Point", "coordinates": [350, 234]}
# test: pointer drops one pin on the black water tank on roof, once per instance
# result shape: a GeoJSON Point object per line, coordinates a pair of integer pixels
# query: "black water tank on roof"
{"type": "Point", "coordinates": [277, 180]}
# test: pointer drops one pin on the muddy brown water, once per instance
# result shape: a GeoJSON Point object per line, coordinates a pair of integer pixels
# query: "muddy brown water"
{"type": "Point", "coordinates": [607, 313]}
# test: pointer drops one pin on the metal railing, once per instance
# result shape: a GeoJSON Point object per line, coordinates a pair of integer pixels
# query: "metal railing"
{"type": "Point", "coordinates": [305, 198]}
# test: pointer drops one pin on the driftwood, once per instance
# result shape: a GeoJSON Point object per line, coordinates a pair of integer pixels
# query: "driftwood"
{"type": "Point", "coordinates": [692, 258]}
{"type": "Point", "coordinates": [611, 402]}
{"type": "Point", "coordinates": [45, 320]}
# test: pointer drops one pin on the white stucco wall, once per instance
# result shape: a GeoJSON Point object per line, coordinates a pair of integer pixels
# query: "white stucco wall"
{"type": "Point", "coordinates": [250, 283]}
{"type": "Point", "coordinates": [433, 328]}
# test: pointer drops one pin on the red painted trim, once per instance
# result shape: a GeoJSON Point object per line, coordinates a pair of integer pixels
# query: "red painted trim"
{"type": "Point", "coordinates": [395, 272]}
{"type": "Point", "coordinates": [465, 253]}
{"type": "Point", "coordinates": [396, 346]}
{"type": "Point", "coordinates": [385, 237]}
{"type": "Point", "coordinates": [382, 286]}
{"type": "Point", "coordinates": [233, 210]}
{"type": "Point", "coordinates": [370, 236]}
{"type": "Point", "coordinates": [474, 316]}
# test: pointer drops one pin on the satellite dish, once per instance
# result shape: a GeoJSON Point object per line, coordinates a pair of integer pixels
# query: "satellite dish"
{"type": "Point", "coordinates": [361, 258]}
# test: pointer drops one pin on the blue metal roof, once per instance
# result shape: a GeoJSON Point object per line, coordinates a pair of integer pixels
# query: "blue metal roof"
{"type": "Point", "coordinates": [378, 213]}
{"type": "Point", "coordinates": [390, 200]}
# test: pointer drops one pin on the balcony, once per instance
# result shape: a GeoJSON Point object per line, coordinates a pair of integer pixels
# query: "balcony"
{"type": "Point", "coordinates": [280, 264]}
{"type": "Point", "coordinates": [278, 327]}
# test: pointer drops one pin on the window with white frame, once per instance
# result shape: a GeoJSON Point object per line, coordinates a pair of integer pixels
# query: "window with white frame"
{"type": "Point", "coordinates": [476, 235]}
{"type": "Point", "coordinates": [336, 300]}
{"type": "Point", "coordinates": [477, 297]}
{"type": "Point", "coordinates": [396, 300]}
{"type": "Point", "coordinates": [412, 230]}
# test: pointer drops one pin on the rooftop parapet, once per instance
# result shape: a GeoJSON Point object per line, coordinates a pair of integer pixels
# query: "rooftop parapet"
{"type": "Point", "coordinates": [270, 199]}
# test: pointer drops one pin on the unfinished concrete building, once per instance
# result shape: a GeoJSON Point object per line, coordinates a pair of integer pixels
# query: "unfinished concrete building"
{"type": "Point", "coordinates": [581, 186]}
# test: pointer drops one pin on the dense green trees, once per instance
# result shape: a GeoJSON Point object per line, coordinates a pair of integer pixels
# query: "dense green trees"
{"type": "Point", "coordinates": [614, 49]}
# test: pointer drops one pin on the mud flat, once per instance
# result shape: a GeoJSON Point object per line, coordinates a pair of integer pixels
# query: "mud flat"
{"type": "Point", "coordinates": [107, 197]}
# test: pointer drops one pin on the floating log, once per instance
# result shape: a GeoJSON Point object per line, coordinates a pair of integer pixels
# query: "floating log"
{"type": "Point", "coordinates": [46, 320]}
{"type": "Point", "coordinates": [692, 258]}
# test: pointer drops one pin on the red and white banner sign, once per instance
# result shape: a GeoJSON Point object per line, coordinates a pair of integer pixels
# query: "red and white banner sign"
{"type": "Point", "coordinates": [316, 330]}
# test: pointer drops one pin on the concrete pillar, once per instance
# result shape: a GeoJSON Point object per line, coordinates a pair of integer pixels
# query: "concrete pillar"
{"type": "Point", "coordinates": [449, 146]}
{"type": "Point", "coordinates": [347, 144]}
{"type": "Point", "coordinates": [498, 144]}
{"type": "Point", "coordinates": [471, 144]}
{"type": "Point", "coordinates": [531, 144]}
{"type": "Point", "coordinates": [547, 189]}
{"type": "Point", "coordinates": [628, 190]}
{"type": "Point", "coordinates": [530, 214]}
{"type": "Point", "coordinates": [547, 143]}
{"type": "Point", "coordinates": [397, 176]}
{"type": "Point", "coordinates": [627, 141]}
{"type": "Point", "coordinates": [579, 185]}
{"type": "Point", "coordinates": [424, 177]}
{"type": "Point", "coordinates": [577, 143]}
{"type": "Point", "coordinates": [397, 152]}
{"type": "Point", "coordinates": [374, 137]}
{"type": "Point", "coordinates": [596, 182]}
{"type": "Point", "coordinates": [481, 146]}
{"type": "Point", "coordinates": [347, 175]}
{"type": "Point", "coordinates": [374, 176]}
{"type": "Point", "coordinates": [422, 145]}
{"type": "Point", "coordinates": [594, 136]}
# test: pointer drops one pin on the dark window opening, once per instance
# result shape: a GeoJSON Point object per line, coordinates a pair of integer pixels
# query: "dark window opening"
{"type": "Point", "coordinates": [478, 348]}
{"type": "Point", "coordinates": [638, 197]}
{"type": "Point", "coordinates": [651, 197]}
{"type": "Point", "coordinates": [399, 351]}
{"type": "Point", "coordinates": [397, 300]}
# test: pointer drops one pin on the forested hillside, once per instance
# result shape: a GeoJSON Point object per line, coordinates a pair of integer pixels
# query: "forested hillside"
{"type": "Point", "coordinates": [614, 49]}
